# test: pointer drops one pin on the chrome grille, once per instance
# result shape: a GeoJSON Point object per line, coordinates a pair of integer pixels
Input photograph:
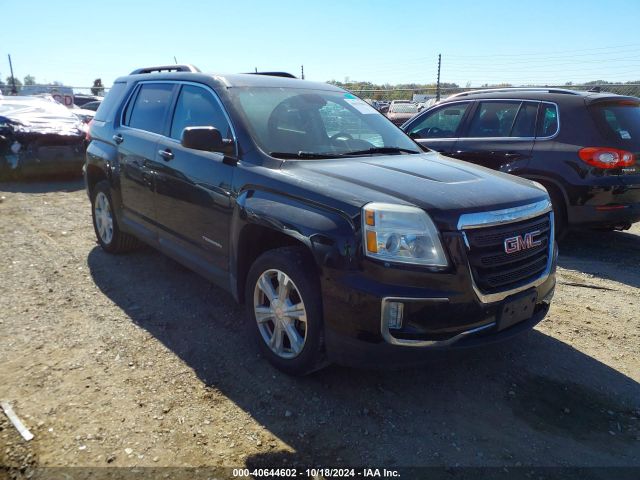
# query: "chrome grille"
{"type": "Point", "coordinates": [494, 269]}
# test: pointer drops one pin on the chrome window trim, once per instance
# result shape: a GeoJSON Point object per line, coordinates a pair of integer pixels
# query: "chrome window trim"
{"type": "Point", "coordinates": [389, 338]}
{"type": "Point", "coordinates": [471, 221]}
{"type": "Point", "coordinates": [501, 139]}
{"type": "Point", "coordinates": [557, 132]}
{"type": "Point", "coordinates": [179, 82]}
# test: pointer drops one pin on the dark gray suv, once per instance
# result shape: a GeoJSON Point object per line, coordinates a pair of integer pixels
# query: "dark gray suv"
{"type": "Point", "coordinates": [582, 146]}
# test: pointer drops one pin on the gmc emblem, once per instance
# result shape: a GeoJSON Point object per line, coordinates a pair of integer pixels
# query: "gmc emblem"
{"type": "Point", "coordinates": [522, 242]}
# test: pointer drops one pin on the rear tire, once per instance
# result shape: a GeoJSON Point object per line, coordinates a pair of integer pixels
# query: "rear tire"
{"type": "Point", "coordinates": [105, 223]}
{"type": "Point", "coordinates": [285, 308]}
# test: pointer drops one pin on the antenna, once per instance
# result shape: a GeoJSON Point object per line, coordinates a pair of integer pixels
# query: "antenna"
{"type": "Point", "coordinates": [175, 59]}
{"type": "Point", "coordinates": [438, 84]}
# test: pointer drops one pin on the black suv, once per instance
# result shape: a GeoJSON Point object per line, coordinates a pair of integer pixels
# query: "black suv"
{"type": "Point", "coordinates": [582, 146]}
{"type": "Point", "coordinates": [346, 241]}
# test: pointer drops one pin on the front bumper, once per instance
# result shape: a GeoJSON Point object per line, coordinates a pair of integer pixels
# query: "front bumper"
{"type": "Point", "coordinates": [350, 351]}
{"type": "Point", "coordinates": [442, 310]}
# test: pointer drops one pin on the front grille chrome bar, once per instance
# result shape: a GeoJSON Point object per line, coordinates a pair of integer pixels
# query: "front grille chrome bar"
{"type": "Point", "coordinates": [500, 217]}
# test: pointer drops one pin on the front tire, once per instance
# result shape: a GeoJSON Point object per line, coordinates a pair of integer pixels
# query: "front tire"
{"type": "Point", "coordinates": [105, 224]}
{"type": "Point", "coordinates": [285, 308]}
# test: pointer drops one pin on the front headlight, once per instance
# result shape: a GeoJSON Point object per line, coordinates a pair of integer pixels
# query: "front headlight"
{"type": "Point", "coordinates": [401, 234]}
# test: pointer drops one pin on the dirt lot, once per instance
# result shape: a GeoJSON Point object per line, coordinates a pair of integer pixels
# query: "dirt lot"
{"type": "Point", "coordinates": [134, 360]}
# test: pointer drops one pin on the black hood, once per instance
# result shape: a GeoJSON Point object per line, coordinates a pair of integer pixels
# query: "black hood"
{"type": "Point", "coordinates": [442, 186]}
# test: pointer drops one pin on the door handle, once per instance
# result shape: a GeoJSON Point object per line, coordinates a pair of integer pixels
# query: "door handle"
{"type": "Point", "coordinates": [118, 138]}
{"type": "Point", "coordinates": [166, 154]}
{"type": "Point", "coordinates": [513, 155]}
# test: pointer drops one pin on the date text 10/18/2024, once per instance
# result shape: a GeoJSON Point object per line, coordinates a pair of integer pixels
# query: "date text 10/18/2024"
{"type": "Point", "coordinates": [315, 473]}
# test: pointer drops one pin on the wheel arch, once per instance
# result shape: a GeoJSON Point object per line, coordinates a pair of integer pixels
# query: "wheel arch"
{"type": "Point", "coordinates": [94, 174]}
{"type": "Point", "coordinates": [264, 220]}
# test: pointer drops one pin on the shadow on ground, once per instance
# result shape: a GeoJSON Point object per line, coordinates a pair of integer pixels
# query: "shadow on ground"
{"type": "Point", "coordinates": [44, 185]}
{"type": "Point", "coordinates": [611, 255]}
{"type": "Point", "coordinates": [535, 400]}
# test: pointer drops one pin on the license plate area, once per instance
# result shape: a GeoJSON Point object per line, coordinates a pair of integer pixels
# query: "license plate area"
{"type": "Point", "coordinates": [517, 309]}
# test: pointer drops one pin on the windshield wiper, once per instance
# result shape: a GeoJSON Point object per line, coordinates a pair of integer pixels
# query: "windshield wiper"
{"type": "Point", "coordinates": [302, 154]}
{"type": "Point", "coordinates": [373, 150]}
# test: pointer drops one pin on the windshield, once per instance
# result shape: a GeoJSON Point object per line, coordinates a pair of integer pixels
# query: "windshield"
{"type": "Point", "coordinates": [305, 123]}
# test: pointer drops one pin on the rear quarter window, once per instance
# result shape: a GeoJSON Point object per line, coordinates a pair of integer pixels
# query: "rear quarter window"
{"type": "Point", "coordinates": [548, 121]}
{"type": "Point", "coordinates": [111, 101]}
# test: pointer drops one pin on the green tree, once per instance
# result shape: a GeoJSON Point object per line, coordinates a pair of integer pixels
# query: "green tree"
{"type": "Point", "coordinates": [98, 88]}
{"type": "Point", "coordinates": [29, 80]}
{"type": "Point", "coordinates": [9, 87]}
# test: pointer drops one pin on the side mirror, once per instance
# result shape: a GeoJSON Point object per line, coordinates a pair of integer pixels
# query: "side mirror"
{"type": "Point", "coordinates": [207, 139]}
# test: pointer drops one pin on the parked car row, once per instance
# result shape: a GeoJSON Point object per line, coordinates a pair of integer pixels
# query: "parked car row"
{"type": "Point", "coordinates": [349, 240]}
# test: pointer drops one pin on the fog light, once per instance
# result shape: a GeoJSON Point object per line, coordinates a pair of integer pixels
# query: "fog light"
{"type": "Point", "coordinates": [392, 314]}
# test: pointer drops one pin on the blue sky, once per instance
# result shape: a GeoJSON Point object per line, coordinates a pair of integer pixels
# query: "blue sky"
{"type": "Point", "coordinates": [543, 42]}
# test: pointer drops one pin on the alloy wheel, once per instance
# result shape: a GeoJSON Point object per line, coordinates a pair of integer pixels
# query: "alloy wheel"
{"type": "Point", "coordinates": [104, 219]}
{"type": "Point", "coordinates": [280, 314]}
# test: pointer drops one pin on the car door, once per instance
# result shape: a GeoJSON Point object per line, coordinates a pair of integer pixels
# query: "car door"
{"type": "Point", "coordinates": [137, 138]}
{"type": "Point", "coordinates": [438, 128]}
{"type": "Point", "coordinates": [499, 134]}
{"type": "Point", "coordinates": [193, 187]}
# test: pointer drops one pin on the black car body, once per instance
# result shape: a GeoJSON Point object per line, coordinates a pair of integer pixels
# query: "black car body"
{"type": "Point", "coordinates": [582, 146]}
{"type": "Point", "coordinates": [255, 197]}
{"type": "Point", "coordinates": [38, 137]}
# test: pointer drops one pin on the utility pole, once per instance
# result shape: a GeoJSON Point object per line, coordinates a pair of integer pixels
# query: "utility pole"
{"type": "Point", "coordinates": [302, 70]}
{"type": "Point", "coordinates": [14, 90]}
{"type": "Point", "coordinates": [438, 83]}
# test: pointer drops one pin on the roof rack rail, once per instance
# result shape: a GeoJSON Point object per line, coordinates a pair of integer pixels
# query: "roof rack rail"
{"type": "Point", "coordinates": [517, 89]}
{"type": "Point", "coordinates": [166, 68]}
{"type": "Point", "coordinates": [275, 74]}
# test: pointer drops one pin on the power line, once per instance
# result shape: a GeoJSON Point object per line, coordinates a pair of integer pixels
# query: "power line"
{"type": "Point", "coordinates": [546, 53]}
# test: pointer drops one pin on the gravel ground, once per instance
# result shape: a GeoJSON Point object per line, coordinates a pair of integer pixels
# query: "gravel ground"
{"type": "Point", "coordinates": [135, 361]}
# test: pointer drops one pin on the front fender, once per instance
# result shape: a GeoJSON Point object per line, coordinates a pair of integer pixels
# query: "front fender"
{"type": "Point", "coordinates": [331, 236]}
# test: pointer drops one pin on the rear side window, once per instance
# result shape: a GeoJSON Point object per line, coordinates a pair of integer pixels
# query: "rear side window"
{"type": "Point", "coordinates": [494, 119]}
{"type": "Point", "coordinates": [196, 107]}
{"type": "Point", "coordinates": [110, 102]}
{"type": "Point", "coordinates": [618, 120]}
{"type": "Point", "coordinates": [150, 107]}
{"type": "Point", "coordinates": [548, 124]}
{"type": "Point", "coordinates": [441, 123]}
